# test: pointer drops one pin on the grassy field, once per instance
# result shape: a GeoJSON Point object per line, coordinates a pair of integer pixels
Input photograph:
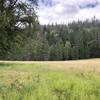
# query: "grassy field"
{"type": "Point", "coordinates": [67, 80]}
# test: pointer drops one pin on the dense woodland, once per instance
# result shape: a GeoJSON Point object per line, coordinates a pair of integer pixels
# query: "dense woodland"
{"type": "Point", "coordinates": [23, 38]}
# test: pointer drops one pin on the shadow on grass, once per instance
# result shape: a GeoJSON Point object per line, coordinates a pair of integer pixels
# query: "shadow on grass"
{"type": "Point", "coordinates": [2, 64]}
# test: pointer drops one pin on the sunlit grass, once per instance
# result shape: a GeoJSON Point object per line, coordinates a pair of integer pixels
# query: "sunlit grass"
{"type": "Point", "coordinates": [69, 80]}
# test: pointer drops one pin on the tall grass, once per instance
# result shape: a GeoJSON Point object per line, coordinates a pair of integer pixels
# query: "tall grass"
{"type": "Point", "coordinates": [41, 82]}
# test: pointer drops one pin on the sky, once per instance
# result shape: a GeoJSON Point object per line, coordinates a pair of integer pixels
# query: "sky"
{"type": "Point", "coordinates": [66, 11]}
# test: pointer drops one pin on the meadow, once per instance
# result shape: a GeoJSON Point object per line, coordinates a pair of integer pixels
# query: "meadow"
{"type": "Point", "coordinates": [56, 80]}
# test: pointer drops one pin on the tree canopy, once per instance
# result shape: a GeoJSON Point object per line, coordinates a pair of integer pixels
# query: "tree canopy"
{"type": "Point", "coordinates": [23, 38]}
{"type": "Point", "coordinates": [17, 19]}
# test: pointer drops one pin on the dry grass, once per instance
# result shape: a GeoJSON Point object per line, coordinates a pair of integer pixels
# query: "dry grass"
{"type": "Point", "coordinates": [56, 80]}
{"type": "Point", "coordinates": [83, 65]}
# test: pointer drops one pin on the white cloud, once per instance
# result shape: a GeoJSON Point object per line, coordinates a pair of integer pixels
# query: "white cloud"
{"type": "Point", "coordinates": [65, 11]}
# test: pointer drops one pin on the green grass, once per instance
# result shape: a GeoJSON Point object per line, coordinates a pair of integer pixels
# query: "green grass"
{"type": "Point", "coordinates": [50, 80]}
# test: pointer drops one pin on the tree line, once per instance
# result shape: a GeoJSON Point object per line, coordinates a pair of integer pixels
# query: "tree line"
{"type": "Point", "coordinates": [23, 38]}
{"type": "Point", "coordinates": [77, 40]}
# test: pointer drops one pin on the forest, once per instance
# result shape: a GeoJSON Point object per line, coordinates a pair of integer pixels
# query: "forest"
{"type": "Point", "coordinates": [22, 37]}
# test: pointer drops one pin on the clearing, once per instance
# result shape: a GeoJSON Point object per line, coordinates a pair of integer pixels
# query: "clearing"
{"type": "Point", "coordinates": [56, 80]}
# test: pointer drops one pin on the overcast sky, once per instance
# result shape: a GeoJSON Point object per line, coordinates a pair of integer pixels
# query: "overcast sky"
{"type": "Point", "coordinates": [65, 11]}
